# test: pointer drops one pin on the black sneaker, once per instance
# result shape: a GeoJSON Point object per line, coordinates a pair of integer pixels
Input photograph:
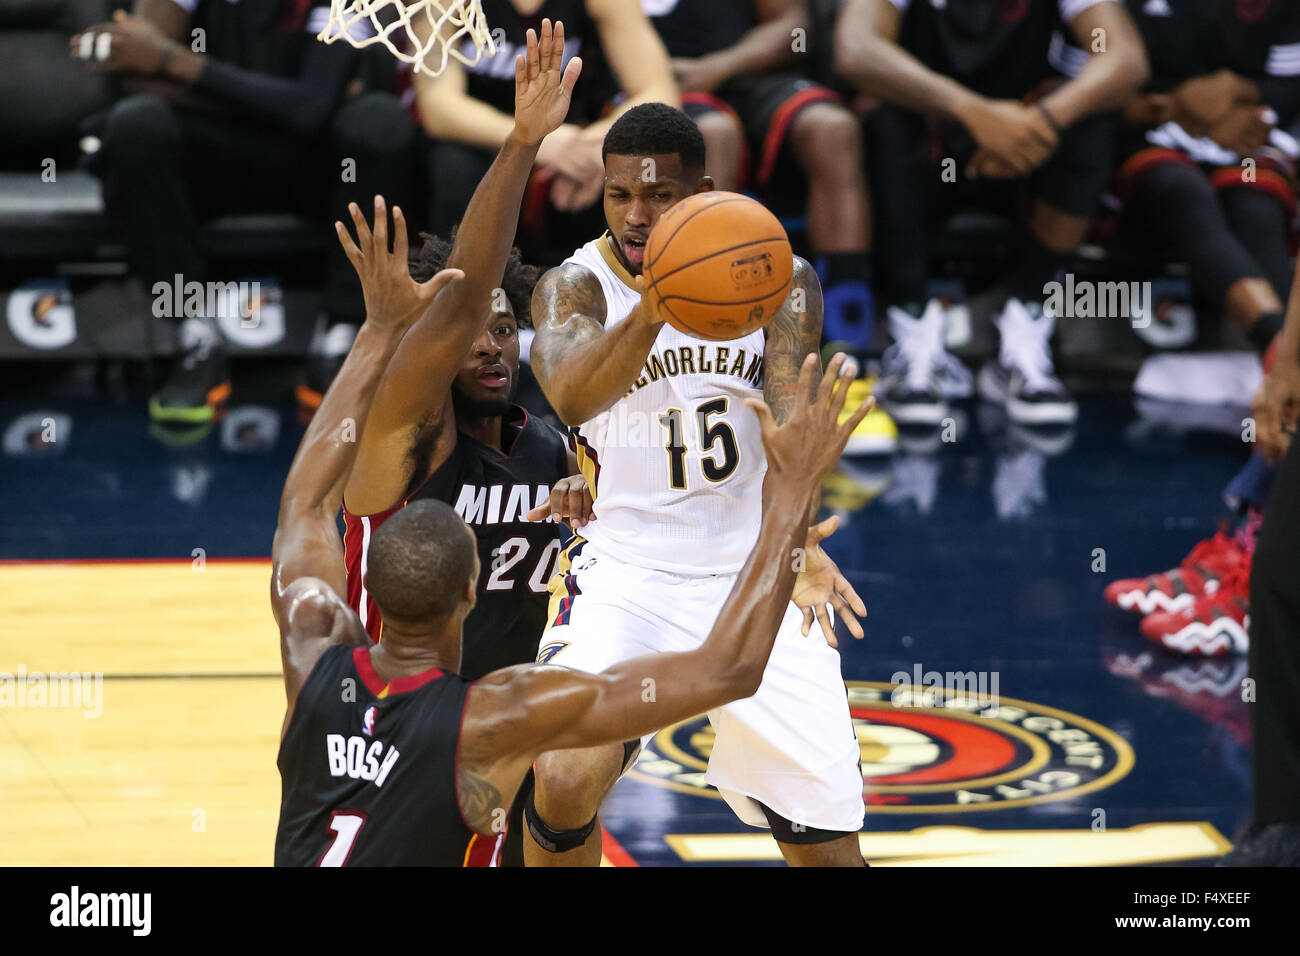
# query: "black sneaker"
{"type": "Point", "coordinates": [329, 347]}
{"type": "Point", "coordinates": [1022, 379]}
{"type": "Point", "coordinates": [198, 384]}
{"type": "Point", "coordinates": [913, 386]}
{"type": "Point", "coordinates": [1275, 844]}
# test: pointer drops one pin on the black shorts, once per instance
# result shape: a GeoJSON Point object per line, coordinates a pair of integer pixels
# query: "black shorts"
{"type": "Point", "coordinates": [766, 105]}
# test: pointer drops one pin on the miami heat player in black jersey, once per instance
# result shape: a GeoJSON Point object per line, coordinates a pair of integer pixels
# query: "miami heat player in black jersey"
{"type": "Point", "coordinates": [388, 754]}
{"type": "Point", "coordinates": [492, 491]}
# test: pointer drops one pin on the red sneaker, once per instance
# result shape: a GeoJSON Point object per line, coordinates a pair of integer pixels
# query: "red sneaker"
{"type": "Point", "coordinates": [1178, 589]}
{"type": "Point", "coordinates": [1217, 624]}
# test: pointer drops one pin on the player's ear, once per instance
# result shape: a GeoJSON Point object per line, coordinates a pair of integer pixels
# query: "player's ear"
{"type": "Point", "coordinates": [704, 184]}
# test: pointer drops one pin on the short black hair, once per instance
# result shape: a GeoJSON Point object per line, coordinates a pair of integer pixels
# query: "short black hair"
{"type": "Point", "coordinates": [517, 282]}
{"type": "Point", "coordinates": [653, 129]}
{"type": "Point", "coordinates": [419, 562]}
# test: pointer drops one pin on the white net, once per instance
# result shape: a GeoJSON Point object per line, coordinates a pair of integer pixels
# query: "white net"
{"type": "Point", "coordinates": [423, 33]}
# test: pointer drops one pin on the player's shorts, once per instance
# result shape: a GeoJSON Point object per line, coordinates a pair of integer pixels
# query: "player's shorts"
{"type": "Point", "coordinates": [791, 746]}
{"type": "Point", "coordinates": [766, 105]}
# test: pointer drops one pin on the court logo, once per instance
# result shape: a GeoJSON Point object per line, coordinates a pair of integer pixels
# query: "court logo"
{"type": "Point", "coordinates": [953, 756]}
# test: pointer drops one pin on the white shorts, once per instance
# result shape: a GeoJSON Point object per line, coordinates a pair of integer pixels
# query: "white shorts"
{"type": "Point", "coordinates": [791, 746]}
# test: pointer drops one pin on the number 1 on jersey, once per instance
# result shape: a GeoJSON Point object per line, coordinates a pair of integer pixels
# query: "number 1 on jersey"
{"type": "Point", "coordinates": [710, 435]}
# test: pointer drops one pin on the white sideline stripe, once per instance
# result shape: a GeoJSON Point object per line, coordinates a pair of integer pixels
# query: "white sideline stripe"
{"type": "Point", "coordinates": [364, 609]}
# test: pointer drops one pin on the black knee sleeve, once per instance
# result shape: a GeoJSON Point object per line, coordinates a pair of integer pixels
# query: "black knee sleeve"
{"type": "Point", "coordinates": [786, 832]}
{"type": "Point", "coordinates": [554, 841]}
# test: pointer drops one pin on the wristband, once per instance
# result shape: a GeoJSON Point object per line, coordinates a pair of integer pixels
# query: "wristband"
{"type": "Point", "coordinates": [1051, 120]}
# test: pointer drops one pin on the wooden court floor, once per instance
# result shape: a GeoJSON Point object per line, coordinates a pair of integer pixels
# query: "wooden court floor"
{"type": "Point", "coordinates": [172, 761]}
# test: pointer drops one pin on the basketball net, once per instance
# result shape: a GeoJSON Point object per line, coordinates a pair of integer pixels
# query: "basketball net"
{"type": "Point", "coordinates": [393, 23]}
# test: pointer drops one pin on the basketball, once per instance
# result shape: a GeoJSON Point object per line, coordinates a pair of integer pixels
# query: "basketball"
{"type": "Point", "coordinates": [718, 265]}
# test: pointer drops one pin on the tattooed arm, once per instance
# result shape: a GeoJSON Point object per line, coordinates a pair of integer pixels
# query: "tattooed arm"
{"type": "Point", "coordinates": [582, 367]}
{"type": "Point", "coordinates": [794, 333]}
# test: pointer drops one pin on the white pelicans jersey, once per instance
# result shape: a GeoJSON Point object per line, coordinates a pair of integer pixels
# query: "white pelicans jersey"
{"type": "Point", "coordinates": [676, 465]}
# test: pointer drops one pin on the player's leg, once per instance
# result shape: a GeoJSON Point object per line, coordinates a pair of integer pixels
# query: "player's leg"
{"type": "Point", "coordinates": [1259, 212]}
{"type": "Point", "coordinates": [373, 137]}
{"type": "Point", "coordinates": [1174, 204]}
{"type": "Point", "coordinates": [597, 617]}
{"type": "Point", "coordinates": [561, 824]}
{"type": "Point", "coordinates": [726, 153]}
{"type": "Point", "coordinates": [801, 132]}
{"type": "Point", "coordinates": [788, 758]}
{"type": "Point", "coordinates": [148, 176]}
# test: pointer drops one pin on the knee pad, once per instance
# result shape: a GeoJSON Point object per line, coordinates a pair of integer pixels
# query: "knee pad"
{"type": "Point", "coordinates": [554, 841]}
{"type": "Point", "coordinates": [786, 832]}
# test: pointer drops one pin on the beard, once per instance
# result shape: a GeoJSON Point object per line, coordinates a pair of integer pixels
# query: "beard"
{"type": "Point", "coordinates": [495, 407]}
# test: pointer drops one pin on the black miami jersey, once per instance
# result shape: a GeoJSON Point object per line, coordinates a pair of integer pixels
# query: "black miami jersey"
{"type": "Point", "coordinates": [368, 768]}
{"type": "Point", "coordinates": [691, 29]}
{"type": "Point", "coordinates": [1256, 39]}
{"type": "Point", "coordinates": [998, 48]}
{"type": "Point", "coordinates": [492, 491]}
{"type": "Point", "coordinates": [492, 78]}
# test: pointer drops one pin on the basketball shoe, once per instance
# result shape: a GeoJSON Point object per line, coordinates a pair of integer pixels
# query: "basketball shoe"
{"type": "Point", "coordinates": [1023, 378]}
{"type": "Point", "coordinates": [1217, 624]}
{"type": "Point", "coordinates": [200, 380]}
{"type": "Point", "coordinates": [919, 374]}
{"type": "Point", "coordinates": [1175, 590]}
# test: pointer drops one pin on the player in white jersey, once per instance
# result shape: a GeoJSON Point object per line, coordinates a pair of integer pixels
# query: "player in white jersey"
{"type": "Point", "coordinates": [676, 464]}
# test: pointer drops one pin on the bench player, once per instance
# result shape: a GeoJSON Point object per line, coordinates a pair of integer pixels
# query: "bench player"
{"type": "Point", "coordinates": [678, 515]}
{"type": "Point", "coordinates": [390, 757]}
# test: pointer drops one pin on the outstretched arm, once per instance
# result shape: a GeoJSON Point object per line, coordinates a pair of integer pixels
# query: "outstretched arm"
{"type": "Point", "coordinates": [417, 385]}
{"type": "Point", "coordinates": [515, 714]}
{"type": "Point", "coordinates": [307, 573]}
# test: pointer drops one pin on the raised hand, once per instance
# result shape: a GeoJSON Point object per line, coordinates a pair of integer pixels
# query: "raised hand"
{"type": "Point", "coordinates": [393, 298]}
{"type": "Point", "coordinates": [810, 442]}
{"type": "Point", "coordinates": [542, 91]}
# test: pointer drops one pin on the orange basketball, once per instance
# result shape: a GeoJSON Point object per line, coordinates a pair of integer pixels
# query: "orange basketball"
{"type": "Point", "coordinates": [718, 266]}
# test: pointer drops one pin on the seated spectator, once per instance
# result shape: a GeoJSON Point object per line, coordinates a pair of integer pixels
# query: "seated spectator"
{"type": "Point", "coordinates": [467, 109]}
{"type": "Point", "coordinates": [236, 107]}
{"type": "Point", "coordinates": [736, 64]}
{"type": "Point", "coordinates": [1014, 102]}
{"type": "Point", "coordinates": [1208, 173]}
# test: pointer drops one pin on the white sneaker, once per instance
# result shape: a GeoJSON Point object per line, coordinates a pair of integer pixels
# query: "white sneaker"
{"type": "Point", "coordinates": [1023, 378]}
{"type": "Point", "coordinates": [918, 375]}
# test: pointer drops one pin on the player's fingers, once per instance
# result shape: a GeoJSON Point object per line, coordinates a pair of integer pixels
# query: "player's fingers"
{"type": "Point", "coordinates": [533, 55]}
{"type": "Point", "coordinates": [381, 225]}
{"type": "Point", "coordinates": [521, 73]}
{"type": "Point", "coordinates": [540, 513]}
{"type": "Point", "coordinates": [570, 78]}
{"type": "Point", "coordinates": [840, 389]}
{"type": "Point", "coordinates": [854, 420]}
{"type": "Point", "coordinates": [822, 530]}
{"type": "Point", "coordinates": [556, 47]}
{"type": "Point", "coordinates": [850, 595]}
{"type": "Point", "coordinates": [444, 278]}
{"type": "Point", "coordinates": [807, 620]}
{"type": "Point", "coordinates": [362, 227]}
{"type": "Point", "coordinates": [349, 247]}
{"type": "Point", "coordinates": [400, 248]}
{"type": "Point", "coordinates": [846, 615]}
{"type": "Point", "coordinates": [824, 620]}
{"type": "Point", "coordinates": [828, 377]}
{"type": "Point", "coordinates": [574, 506]}
{"type": "Point", "coordinates": [766, 422]}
